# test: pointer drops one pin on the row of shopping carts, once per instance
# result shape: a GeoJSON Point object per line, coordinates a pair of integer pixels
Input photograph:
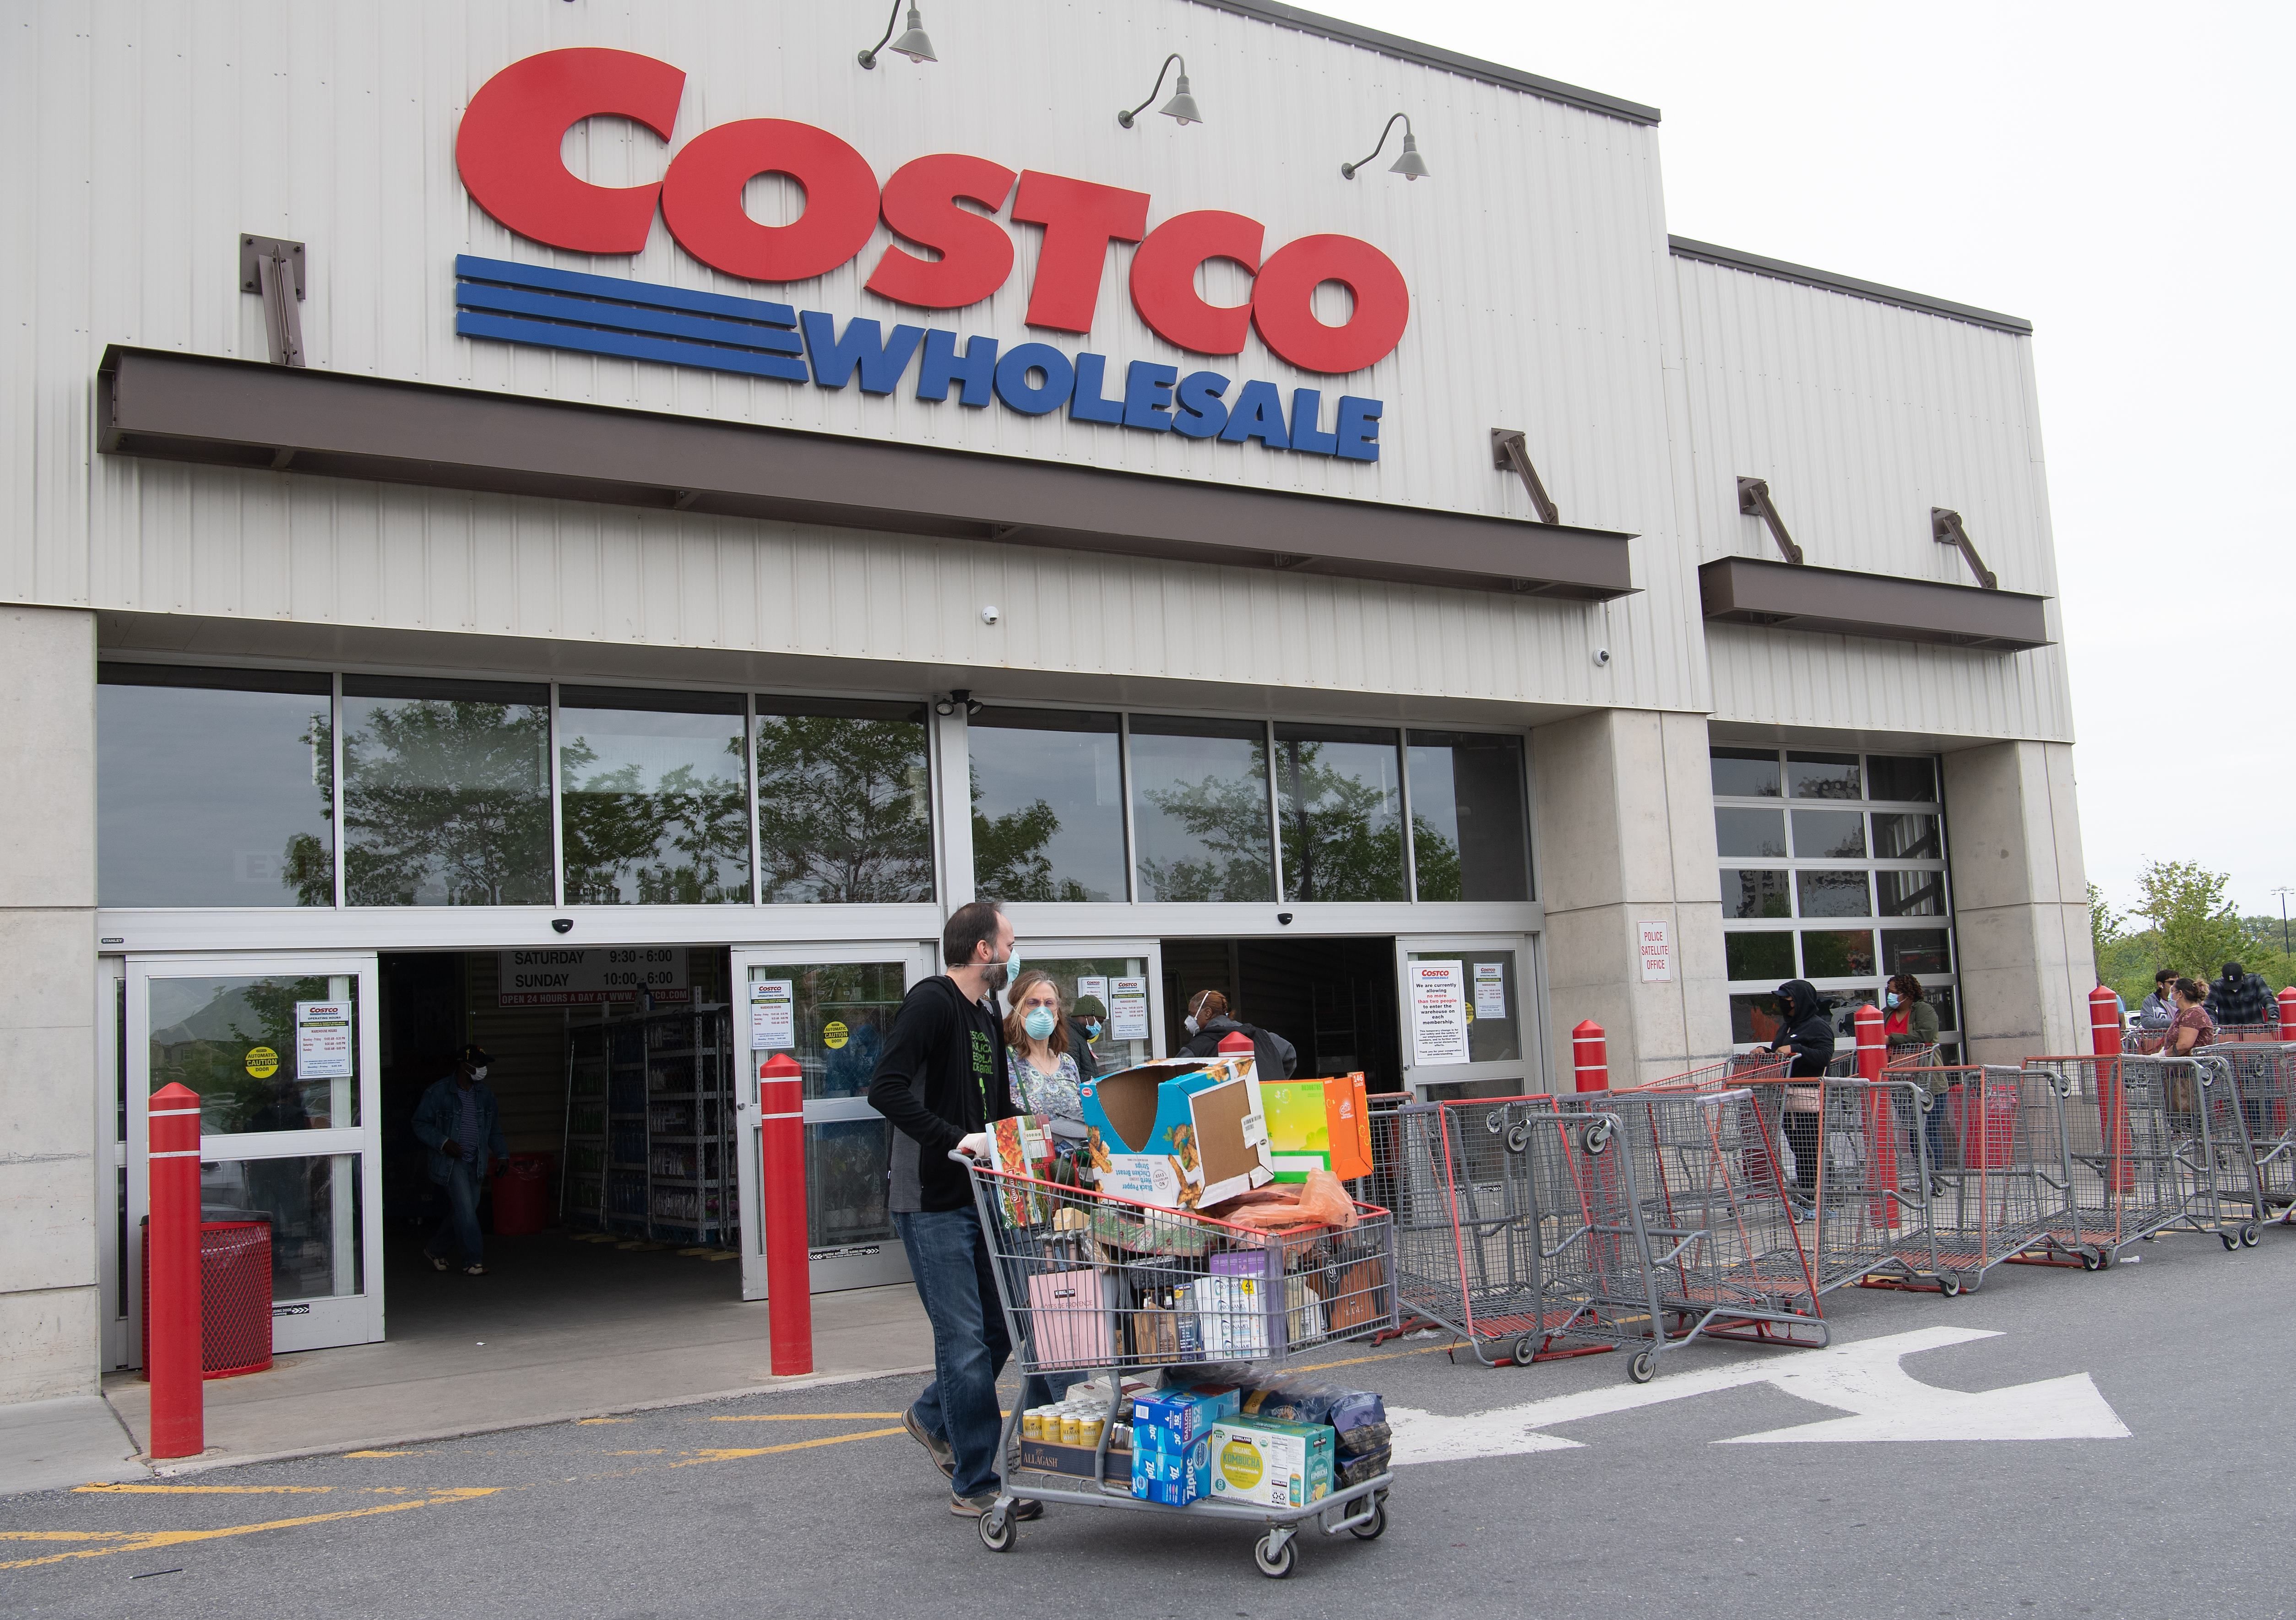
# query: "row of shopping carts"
{"type": "Point", "coordinates": [1727, 1202]}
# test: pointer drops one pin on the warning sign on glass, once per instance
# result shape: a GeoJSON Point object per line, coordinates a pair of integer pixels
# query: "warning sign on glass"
{"type": "Point", "coordinates": [1439, 1013]}
{"type": "Point", "coordinates": [323, 1040]}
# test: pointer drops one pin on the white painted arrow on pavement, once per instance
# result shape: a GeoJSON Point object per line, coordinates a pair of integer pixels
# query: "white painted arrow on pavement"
{"type": "Point", "coordinates": [1864, 1379]}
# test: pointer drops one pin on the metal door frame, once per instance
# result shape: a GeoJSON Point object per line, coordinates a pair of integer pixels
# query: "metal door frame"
{"type": "Point", "coordinates": [1529, 994]}
{"type": "Point", "coordinates": [314, 1324]}
{"type": "Point", "coordinates": [882, 1265]}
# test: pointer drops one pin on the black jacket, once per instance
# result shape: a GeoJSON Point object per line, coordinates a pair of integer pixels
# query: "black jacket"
{"type": "Point", "coordinates": [1809, 1032]}
{"type": "Point", "coordinates": [1274, 1057]}
{"type": "Point", "coordinates": [940, 1077]}
{"type": "Point", "coordinates": [1088, 1061]}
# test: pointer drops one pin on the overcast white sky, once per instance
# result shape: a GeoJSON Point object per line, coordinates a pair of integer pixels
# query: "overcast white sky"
{"type": "Point", "coordinates": [2120, 176]}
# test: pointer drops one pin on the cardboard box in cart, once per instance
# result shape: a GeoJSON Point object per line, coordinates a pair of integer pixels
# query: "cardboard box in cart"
{"type": "Point", "coordinates": [1180, 1133]}
{"type": "Point", "coordinates": [1319, 1125]}
{"type": "Point", "coordinates": [1275, 1465]}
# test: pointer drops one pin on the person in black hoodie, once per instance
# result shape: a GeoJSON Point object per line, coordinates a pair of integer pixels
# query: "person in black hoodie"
{"type": "Point", "coordinates": [942, 1079]}
{"type": "Point", "coordinates": [1274, 1057]}
{"type": "Point", "coordinates": [1807, 1032]}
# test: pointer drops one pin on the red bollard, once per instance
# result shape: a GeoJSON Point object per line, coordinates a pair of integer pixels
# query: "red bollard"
{"type": "Point", "coordinates": [2111, 1112]}
{"type": "Point", "coordinates": [1590, 1056]}
{"type": "Point", "coordinates": [789, 1269]}
{"type": "Point", "coordinates": [1235, 1041]}
{"type": "Point", "coordinates": [2288, 1014]}
{"type": "Point", "coordinates": [1880, 1118]}
{"type": "Point", "coordinates": [1872, 1044]}
{"type": "Point", "coordinates": [171, 1304]}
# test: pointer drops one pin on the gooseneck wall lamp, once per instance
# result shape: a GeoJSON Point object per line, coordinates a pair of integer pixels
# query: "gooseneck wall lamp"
{"type": "Point", "coordinates": [1181, 108]}
{"type": "Point", "coordinates": [911, 44]}
{"type": "Point", "coordinates": [1411, 166]}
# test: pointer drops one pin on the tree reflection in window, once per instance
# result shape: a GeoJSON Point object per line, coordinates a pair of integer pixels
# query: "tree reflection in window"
{"type": "Point", "coordinates": [446, 793]}
{"type": "Point", "coordinates": [844, 802]}
{"type": "Point", "coordinates": [1202, 836]}
{"type": "Point", "coordinates": [1341, 804]}
{"type": "Point", "coordinates": [654, 796]}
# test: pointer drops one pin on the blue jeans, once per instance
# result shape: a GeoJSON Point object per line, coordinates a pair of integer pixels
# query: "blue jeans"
{"type": "Point", "coordinates": [461, 1223]}
{"type": "Point", "coordinates": [949, 1260]}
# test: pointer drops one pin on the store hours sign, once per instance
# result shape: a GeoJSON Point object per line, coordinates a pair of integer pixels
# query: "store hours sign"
{"type": "Point", "coordinates": [595, 976]}
{"type": "Point", "coordinates": [508, 151]}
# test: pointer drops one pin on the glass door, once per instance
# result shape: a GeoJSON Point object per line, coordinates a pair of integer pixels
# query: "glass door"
{"type": "Point", "coordinates": [1470, 1028]}
{"type": "Point", "coordinates": [828, 1007]}
{"type": "Point", "coordinates": [1125, 975]}
{"type": "Point", "coordinates": [285, 1056]}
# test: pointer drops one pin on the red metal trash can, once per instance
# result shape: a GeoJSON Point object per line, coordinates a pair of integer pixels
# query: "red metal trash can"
{"type": "Point", "coordinates": [234, 1297]}
{"type": "Point", "coordinates": [522, 1194]}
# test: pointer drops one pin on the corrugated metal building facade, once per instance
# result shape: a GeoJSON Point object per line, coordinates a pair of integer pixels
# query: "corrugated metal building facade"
{"type": "Point", "coordinates": [1648, 377]}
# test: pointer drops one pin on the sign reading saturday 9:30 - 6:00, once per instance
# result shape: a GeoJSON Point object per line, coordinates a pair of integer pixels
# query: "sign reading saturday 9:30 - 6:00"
{"type": "Point", "coordinates": [508, 151]}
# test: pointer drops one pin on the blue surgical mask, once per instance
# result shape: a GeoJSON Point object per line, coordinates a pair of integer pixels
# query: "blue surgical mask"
{"type": "Point", "coordinates": [1893, 998]}
{"type": "Point", "coordinates": [1092, 1029]}
{"type": "Point", "coordinates": [1038, 1023]}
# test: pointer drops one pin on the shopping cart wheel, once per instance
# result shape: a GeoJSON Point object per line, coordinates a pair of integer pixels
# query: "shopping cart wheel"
{"type": "Point", "coordinates": [2250, 1235]}
{"type": "Point", "coordinates": [2091, 1261]}
{"type": "Point", "coordinates": [997, 1530]}
{"type": "Point", "coordinates": [2231, 1240]}
{"type": "Point", "coordinates": [1643, 1367]}
{"type": "Point", "coordinates": [1949, 1285]}
{"type": "Point", "coordinates": [1526, 1350]}
{"type": "Point", "coordinates": [1517, 1137]}
{"type": "Point", "coordinates": [1595, 1137]}
{"type": "Point", "coordinates": [1274, 1556]}
{"type": "Point", "coordinates": [1376, 1525]}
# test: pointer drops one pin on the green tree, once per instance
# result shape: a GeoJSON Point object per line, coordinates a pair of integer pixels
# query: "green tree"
{"type": "Point", "coordinates": [1435, 858]}
{"type": "Point", "coordinates": [1342, 838]}
{"type": "Point", "coordinates": [844, 812]}
{"type": "Point", "coordinates": [2194, 927]}
{"type": "Point", "coordinates": [1008, 853]}
{"type": "Point", "coordinates": [448, 797]}
{"type": "Point", "coordinates": [1227, 817]}
{"type": "Point", "coordinates": [683, 841]}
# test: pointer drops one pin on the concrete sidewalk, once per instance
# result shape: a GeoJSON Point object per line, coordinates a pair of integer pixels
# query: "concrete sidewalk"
{"type": "Point", "coordinates": [558, 1329]}
{"type": "Point", "coordinates": [78, 1440]}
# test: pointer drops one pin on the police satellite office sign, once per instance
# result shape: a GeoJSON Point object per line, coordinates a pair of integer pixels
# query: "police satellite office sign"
{"type": "Point", "coordinates": [597, 976]}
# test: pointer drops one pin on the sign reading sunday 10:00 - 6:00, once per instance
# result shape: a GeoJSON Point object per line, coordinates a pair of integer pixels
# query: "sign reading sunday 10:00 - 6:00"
{"type": "Point", "coordinates": [508, 153]}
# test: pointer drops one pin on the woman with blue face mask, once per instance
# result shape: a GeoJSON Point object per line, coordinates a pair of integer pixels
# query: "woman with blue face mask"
{"type": "Point", "coordinates": [1044, 1070]}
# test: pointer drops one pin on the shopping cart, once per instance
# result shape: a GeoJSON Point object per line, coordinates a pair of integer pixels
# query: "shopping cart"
{"type": "Point", "coordinates": [2151, 1143]}
{"type": "Point", "coordinates": [1720, 1077]}
{"type": "Point", "coordinates": [1092, 1284]}
{"type": "Point", "coordinates": [2264, 1077]}
{"type": "Point", "coordinates": [1993, 1141]}
{"type": "Point", "coordinates": [1869, 1189]}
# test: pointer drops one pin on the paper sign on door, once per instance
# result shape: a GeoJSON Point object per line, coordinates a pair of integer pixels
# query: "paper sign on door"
{"type": "Point", "coordinates": [1490, 990]}
{"type": "Point", "coordinates": [773, 1014]}
{"type": "Point", "coordinates": [323, 1041]}
{"type": "Point", "coordinates": [1439, 1013]}
{"type": "Point", "coordinates": [1092, 985]}
{"type": "Point", "coordinates": [1127, 1009]}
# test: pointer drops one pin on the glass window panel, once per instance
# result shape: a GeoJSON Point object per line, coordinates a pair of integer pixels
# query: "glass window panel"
{"type": "Point", "coordinates": [1768, 956]}
{"type": "Point", "coordinates": [233, 1042]}
{"type": "Point", "coordinates": [655, 795]}
{"type": "Point", "coordinates": [1200, 809]}
{"type": "Point", "coordinates": [1750, 891]}
{"type": "Point", "coordinates": [1745, 772]}
{"type": "Point", "coordinates": [1750, 832]}
{"type": "Point", "coordinates": [1837, 953]}
{"type": "Point", "coordinates": [1914, 951]}
{"type": "Point", "coordinates": [213, 787]}
{"type": "Point", "coordinates": [1490, 1040]}
{"type": "Point", "coordinates": [846, 1196]}
{"type": "Point", "coordinates": [1846, 1004]}
{"type": "Point", "coordinates": [1467, 1091]}
{"type": "Point", "coordinates": [862, 996]}
{"type": "Point", "coordinates": [1470, 833]}
{"type": "Point", "coordinates": [312, 1205]}
{"type": "Point", "coordinates": [1940, 996]}
{"type": "Point", "coordinates": [1833, 894]}
{"type": "Point", "coordinates": [1829, 835]}
{"type": "Point", "coordinates": [1822, 775]}
{"type": "Point", "coordinates": [1340, 800]}
{"type": "Point", "coordinates": [1910, 894]}
{"type": "Point", "coordinates": [1755, 1019]}
{"type": "Point", "coordinates": [1047, 805]}
{"type": "Point", "coordinates": [844, 802]}
{"type": "Point", "coordinates": [1905, 837]}
{"type": "Point", "coordinates": [1109, 1054]}
{"type": "Point", "coordinates": [446, 793]}
{"type": "Point", "coordinates": [1895, 777]}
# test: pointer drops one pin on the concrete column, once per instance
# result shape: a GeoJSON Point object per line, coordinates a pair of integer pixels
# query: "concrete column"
{"type": "Point", "coordinates": [1625, 833]}
{"type": "Point", "coordinates": [50, 1302]}
{"type": "Point", "coordinates": [2020, 900]}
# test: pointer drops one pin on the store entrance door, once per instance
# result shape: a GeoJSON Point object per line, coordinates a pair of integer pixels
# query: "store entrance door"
{"type": "Point", "coordinates": [1470, 1016]}
{"type": "Point", "coordinates": [285, 1052]}
{"type": "Point", "coordinates": [828, 1006]}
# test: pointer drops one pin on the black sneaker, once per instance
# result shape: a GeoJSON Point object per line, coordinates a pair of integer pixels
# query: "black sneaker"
{"type": "Point", "coordinates": [938, 1450]}
{"type": "Point", "coordinates": [973, 1507]}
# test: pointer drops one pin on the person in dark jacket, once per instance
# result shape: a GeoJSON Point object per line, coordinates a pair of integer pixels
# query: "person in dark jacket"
{"type": "Point", "coordinates": [459, 1120]}
{"type": "Point", "coordinates": [1208, 1022]}
{"type": "Point", "coordinates": [2241, 997]}
{"type": "Point", "coordinates": [942, 1079]}
{"type": "Point", "coordinates": [1087, 1022]}
{"type": "Point", "coordinates": [1807, 1032]}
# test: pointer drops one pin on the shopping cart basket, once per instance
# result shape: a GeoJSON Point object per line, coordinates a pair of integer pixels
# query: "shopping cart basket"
{"type": "Point", "coordinates": [2264, 1077]}
{"type": "Point", "coordinates": [1993, 1142]}
{"type": "Point", "coordinates": [1093, 1284]}
{"type": "Point", "coordinates": [1720, 1077]}
{"type": "Point", "coordinates": [2151, 1143]}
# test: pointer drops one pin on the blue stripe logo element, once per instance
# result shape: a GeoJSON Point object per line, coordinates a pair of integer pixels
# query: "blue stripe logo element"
{"type": "Point", "coordinates": [604, 315]}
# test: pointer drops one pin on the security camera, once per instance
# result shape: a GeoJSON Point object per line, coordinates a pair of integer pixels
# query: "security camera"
{"type": "Point", "coordinates": [988, 615]}
{"type": "Point", "coordinates": [561, 925]}
{"type": "Point", "coordinates": [1601, 657]}
{"type": "Point", "coordinates": [1284, 918]}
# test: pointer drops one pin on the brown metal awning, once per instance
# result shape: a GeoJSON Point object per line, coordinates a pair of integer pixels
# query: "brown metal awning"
{"type": "Point", "coordinates": [1756, 590]}
{"type": "Point", "coordinates": [244, 414]}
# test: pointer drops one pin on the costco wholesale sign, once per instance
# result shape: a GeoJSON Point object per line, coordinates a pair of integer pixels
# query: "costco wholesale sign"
{"type": "Point", "coordinates": [508, 151]}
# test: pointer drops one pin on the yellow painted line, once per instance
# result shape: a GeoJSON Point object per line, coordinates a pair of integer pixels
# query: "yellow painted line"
{"type": "Point", "coordinates": [733, 1453]}
{"type": "Point", "coordinates": [383, 1454]}
{"type": "Point", "coordinates": [67, 1536]}
{"type": "Point", "coordinates": [1389, 1355]}
{"type": "Point", "coordinates": [804, 1417]}
{"type": "Point", "coordinates": [691, 1252]}
{"type": "Point", "coordinates": [727, 1254]}
{"type": "Point", "coordinates": [585, 1422]}
{"type": "Point", "coordinates": [150, 1539]}
{"type": "Point", "coordinates": [188, 1490]}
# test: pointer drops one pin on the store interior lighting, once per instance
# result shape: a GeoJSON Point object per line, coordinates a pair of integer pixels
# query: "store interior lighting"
{"type": "Point", "coordinates": [1411, 166]}
{"type": "Point", "coordinates": [1181, 108]}
{"type": "Point", "coordinates": [913, 43]}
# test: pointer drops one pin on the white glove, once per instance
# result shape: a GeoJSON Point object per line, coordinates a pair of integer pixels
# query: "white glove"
{"type": "Point", "coordinates": [975, 1145]}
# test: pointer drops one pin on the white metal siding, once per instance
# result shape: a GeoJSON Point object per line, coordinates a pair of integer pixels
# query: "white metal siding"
{"type": "Point", "coordinates": [1862, 416]}
{"type": "Point", "coordinates": [146, 138]}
